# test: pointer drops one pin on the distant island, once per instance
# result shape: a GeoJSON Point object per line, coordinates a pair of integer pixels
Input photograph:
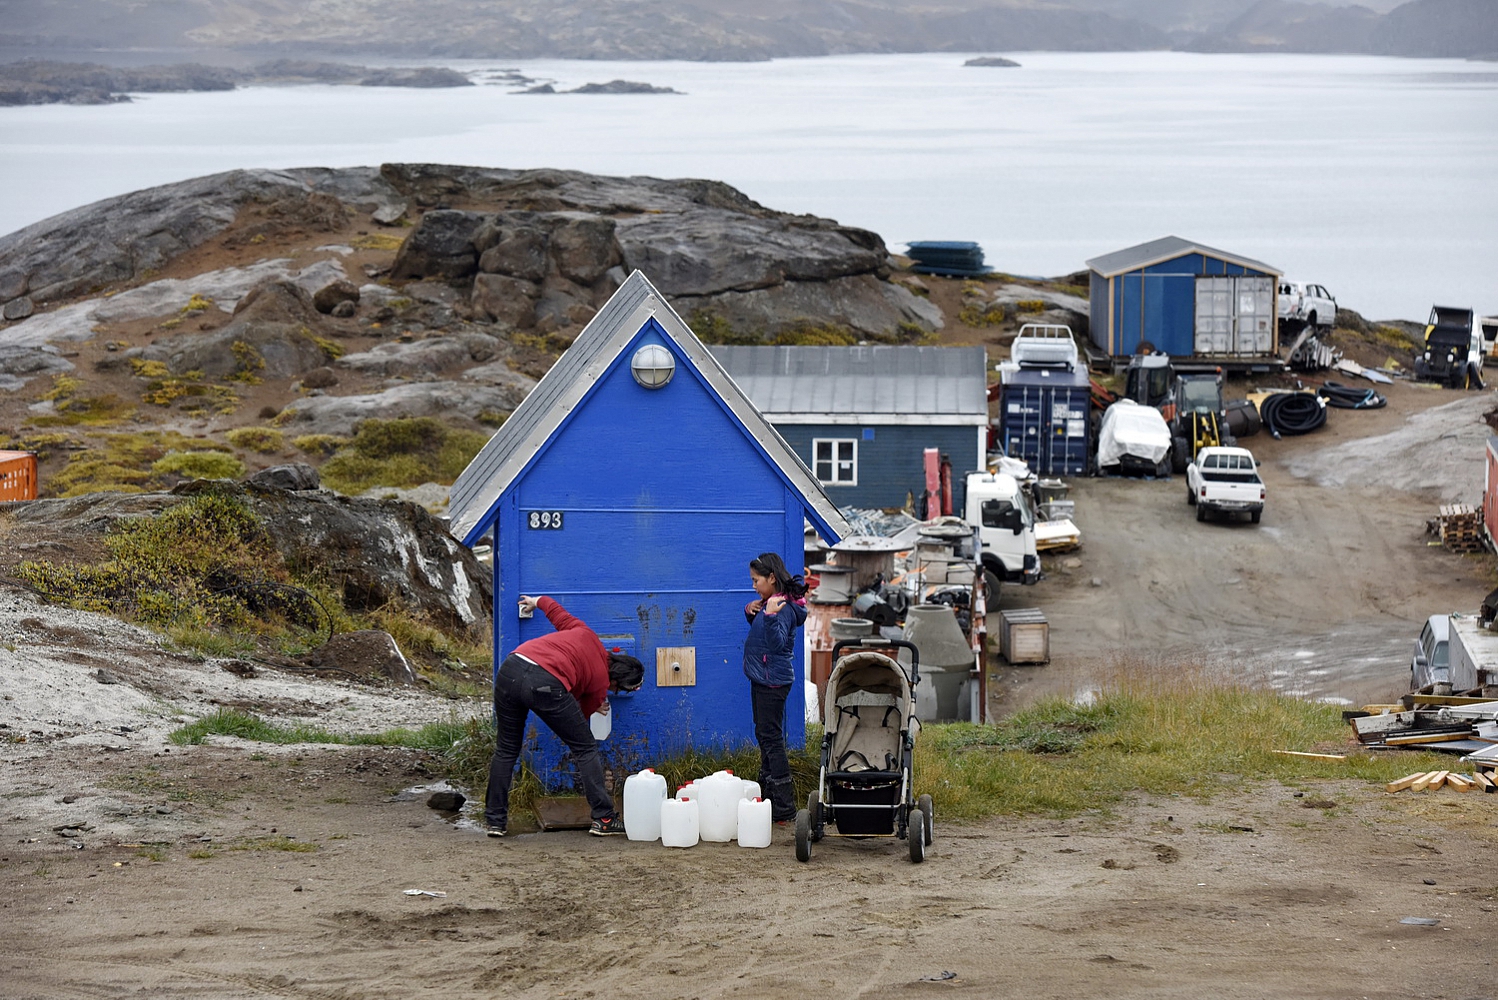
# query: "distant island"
{"type": "Point", "coordinates": [612, 87]}
{"type": "Point", "coordinates": [990, 61]}
{"type": "Point", "coordinates": [35, 81]}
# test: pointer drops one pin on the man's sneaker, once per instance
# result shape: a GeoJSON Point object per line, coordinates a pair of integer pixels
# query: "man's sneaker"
{"type": "Point", "coordinates": [494, 831]}
{"type": "Point", "coordinates": [611, 827]}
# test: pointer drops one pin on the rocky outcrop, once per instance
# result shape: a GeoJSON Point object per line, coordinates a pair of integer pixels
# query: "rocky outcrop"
{"type": "Point", "coordinates": [702, 244]}
{"type": "Point", "coordinates": [374, 551]}
{"type": "Point", "coordinates": [522, 249]}
{"type": "Point", "coordinates": [447, 400]}
{"type": "Point", "coordinates": [122, 239]}
{"type": "Point", "coordinates": [992, 61]}
{"type": "Point", "coordinates": [271, 335]}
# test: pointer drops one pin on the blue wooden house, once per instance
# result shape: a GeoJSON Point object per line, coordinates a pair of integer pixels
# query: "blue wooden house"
{"type": "Point", "coordinates": [1185, 299]}
{"type": "Point", "coordinates": [633, 485]}
{"type": "Point", "coordinates": [862, 417]}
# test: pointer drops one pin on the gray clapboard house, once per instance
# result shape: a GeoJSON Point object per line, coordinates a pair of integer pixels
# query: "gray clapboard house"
{"type": "Point", "coordinates": [861, 418]}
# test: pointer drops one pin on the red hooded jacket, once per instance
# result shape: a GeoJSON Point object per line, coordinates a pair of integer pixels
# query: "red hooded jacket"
{"type": "Point", "coordinates": [573, 654]}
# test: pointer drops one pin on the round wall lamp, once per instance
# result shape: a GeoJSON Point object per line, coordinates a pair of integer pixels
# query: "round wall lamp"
{"type": "Point", "coordinates": [653, 366]}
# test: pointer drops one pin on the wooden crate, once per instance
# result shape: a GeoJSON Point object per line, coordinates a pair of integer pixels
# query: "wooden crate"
{"type": "Point", "coordinates": [1024, 636]}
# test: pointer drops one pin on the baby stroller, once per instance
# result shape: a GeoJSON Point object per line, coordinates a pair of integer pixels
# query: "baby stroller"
{"type": "Point", "coordinates": [864, 787]}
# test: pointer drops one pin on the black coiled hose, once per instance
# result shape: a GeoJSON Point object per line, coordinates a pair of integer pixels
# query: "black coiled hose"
{"type": "Point", "coordinates": [1292, 413]}
{"type": "Point", "coordinates": [1346, 397]}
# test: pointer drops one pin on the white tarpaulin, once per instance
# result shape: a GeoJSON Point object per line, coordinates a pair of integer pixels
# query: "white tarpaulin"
{"type": "Point", "coordinates": [1129, 428]}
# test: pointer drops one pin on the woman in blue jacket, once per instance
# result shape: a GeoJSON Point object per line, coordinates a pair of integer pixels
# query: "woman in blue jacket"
{"type": "Point", "coordinates": [769, 663]}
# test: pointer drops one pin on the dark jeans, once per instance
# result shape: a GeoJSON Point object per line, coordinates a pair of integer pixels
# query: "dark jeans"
{"type": "Point", "coordinates": [520, 688]}
{"type": "Point", "coordinates": [774, 765]}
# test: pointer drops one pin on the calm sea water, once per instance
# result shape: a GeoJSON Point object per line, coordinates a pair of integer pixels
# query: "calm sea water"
{"type": "Point", "coordinates": [1374, 177]}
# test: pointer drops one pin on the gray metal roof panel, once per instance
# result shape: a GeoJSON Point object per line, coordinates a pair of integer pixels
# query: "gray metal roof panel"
{"type": "Point", "coordinates": [512, 447]}
{"type": "Point", "coordinates": [1167, 248]}
{"type": "Point", "coordinates": [892, 379]}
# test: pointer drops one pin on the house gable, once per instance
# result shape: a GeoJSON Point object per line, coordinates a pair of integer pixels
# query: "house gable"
{"type": "Point", "coordinates": [600, 355]}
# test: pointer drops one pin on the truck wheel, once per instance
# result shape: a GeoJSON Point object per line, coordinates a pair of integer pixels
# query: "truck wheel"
{"type": "Point", "coordinates": [1179, 454]}
{"type": "Point", "coordinates": [1201, 512]}
{"type": "Point", "coordinates": [1254, 515]}
{"type": "Point", "coordinates": [991, 587]}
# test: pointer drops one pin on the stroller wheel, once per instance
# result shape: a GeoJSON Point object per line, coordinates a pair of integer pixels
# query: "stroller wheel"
{"type": "Point", "coordinates": [927, 812]}
{"type": "Point", "coordinates": [803, 835]}
{"type": "Point", "coordinates": [814, 807]}
{"type": "Point", "coordinates": [917, 837]}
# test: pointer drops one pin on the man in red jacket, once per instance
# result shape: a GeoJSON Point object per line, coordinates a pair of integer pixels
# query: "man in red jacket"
{"type": "Point", "coordinates": [563, 677]}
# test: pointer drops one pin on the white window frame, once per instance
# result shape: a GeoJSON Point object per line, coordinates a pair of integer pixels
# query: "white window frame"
{"type": "Point", "coordinates": [833, 461]}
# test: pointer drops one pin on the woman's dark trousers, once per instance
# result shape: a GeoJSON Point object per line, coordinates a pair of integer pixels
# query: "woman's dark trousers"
{"type": "Point", "coordinates": [769, 732]}
{"type": "Point", "coordinates": [520, 688]}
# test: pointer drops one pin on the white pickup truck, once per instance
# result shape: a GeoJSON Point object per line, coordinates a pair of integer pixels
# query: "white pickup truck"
{"type": "Point", "coordinates": [1225, 480]}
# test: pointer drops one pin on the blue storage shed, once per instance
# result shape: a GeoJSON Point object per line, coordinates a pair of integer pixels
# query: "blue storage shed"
{"type": "Point", "coordinates": [633, 485]}
{"type": "Point", "coordinates": [862, 417]}
{"type": "Point", "coordinates": [1186, 300]}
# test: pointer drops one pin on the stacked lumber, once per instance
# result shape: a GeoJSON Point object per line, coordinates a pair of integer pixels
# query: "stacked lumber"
{"type": "Point", "coordinates": [1460, 528]}
{"type": "Point", "coordinates": [1429, 781]}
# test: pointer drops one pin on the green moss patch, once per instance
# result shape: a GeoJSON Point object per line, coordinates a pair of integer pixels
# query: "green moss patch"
{"type": "Point", "coordinates": [403, 453]}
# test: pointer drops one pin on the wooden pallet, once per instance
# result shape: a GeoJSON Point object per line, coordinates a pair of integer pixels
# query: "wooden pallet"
{"type": "Point", "coordinates": [1460, 528]}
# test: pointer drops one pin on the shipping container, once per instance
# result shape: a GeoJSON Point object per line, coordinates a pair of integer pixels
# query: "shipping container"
{"type": "Point", "coordinates": [1044, 419]}
{"type": "Point", "coordinates": [17, 475]}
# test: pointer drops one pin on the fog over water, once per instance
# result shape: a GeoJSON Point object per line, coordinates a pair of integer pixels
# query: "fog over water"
{"type": "Point", "coordinates": [1373, 176]}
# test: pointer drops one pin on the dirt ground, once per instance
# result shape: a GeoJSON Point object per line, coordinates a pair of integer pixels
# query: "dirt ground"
{"type": "Point", "coordinates": [129, 865]}
{"type": "Point", "coordinates": [1324, 597]}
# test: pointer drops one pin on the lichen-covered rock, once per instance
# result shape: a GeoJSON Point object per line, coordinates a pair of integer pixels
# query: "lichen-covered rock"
{"type": "Point", "coordinates": [329, 296]}
{"type": "Point", "coordinates": [292, 476]}
{"type": "Point", "coordinates": [450, 401]}
{"type": "Point", "coordinates": [374, 552]}
{"type": "Point", "coordinates": [441, 247]}
{"type": "Point", "coordinates": [273, 334]}
{"type": "Point", "coordinates": [507, 300]}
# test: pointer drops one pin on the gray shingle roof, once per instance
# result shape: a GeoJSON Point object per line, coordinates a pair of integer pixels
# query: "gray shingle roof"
{"type": "Point", "coordinates": [1167, 248]}
{"type": "Point", "coordinates": [511, 448]}
{"type": "Point", "coordinates": [862, 381]}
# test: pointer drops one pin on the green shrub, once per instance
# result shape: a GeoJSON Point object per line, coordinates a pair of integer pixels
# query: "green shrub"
{"type": "Point", "coordinates": [198, 465]}
{"type": "Point", "coordinates": [265, 440]}
{"type": "Point", "coordinates": [318, 444]}
{"type": "Point", "coordinates": [403, 453]}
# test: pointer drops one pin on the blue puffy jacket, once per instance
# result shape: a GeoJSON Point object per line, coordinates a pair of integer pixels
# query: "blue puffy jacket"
{"type": "Point", "coordinates": [770, 649]}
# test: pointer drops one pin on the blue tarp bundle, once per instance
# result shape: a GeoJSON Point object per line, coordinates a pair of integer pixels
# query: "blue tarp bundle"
{"type": "Point", "coordinates": [947, 257]}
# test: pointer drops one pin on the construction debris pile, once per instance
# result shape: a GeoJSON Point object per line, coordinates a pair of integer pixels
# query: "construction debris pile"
{"type": "Point", "coordinates": [1432, 722]}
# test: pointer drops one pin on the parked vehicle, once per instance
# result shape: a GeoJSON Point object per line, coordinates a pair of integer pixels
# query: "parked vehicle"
{"type": "Point", "coordinates": [1133, 439]}
{"type": "Point", "coordinates": [1455, 654]}
{"type": "Point", "coordinates": [1302, 305]}
{"type": "Point", "coordinates": [1225, 481]}
{"type": "Point", "coordinates": [1430, 664]}
{"type": "Point", "coordinates": [1454, 349]}
{"type": "Point", "coordinates": [1199, 417]}
{"type": "Point", "coordinates": [1488, 325]}
{"type": "Point", "coordinates": [1006, 530]}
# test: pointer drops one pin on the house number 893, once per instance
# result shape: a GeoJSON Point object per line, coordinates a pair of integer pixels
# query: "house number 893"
{"type": "Point", "coordinates": [544, 519]}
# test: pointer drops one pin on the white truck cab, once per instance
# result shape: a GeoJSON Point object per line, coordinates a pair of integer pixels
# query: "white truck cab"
{"type": "Point", "coordinates": [1006, 527]}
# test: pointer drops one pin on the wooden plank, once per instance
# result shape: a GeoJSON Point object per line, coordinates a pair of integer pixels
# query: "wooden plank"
{"type": "Point", "coordinates": [1402, 741]}
{"type": "Point", "coordinates": [1459, 782]}
{"type": "Point", "coordinates": [1405, 782]}
{"type": "Point", "coordinates": [1425, 781]}
{"type": "Point", "coordinates": [1484, 782]}
{"type": "Point", "coordinates": [1438, 780]}
{"type": "Point", "coordinates": [1317, 756]}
